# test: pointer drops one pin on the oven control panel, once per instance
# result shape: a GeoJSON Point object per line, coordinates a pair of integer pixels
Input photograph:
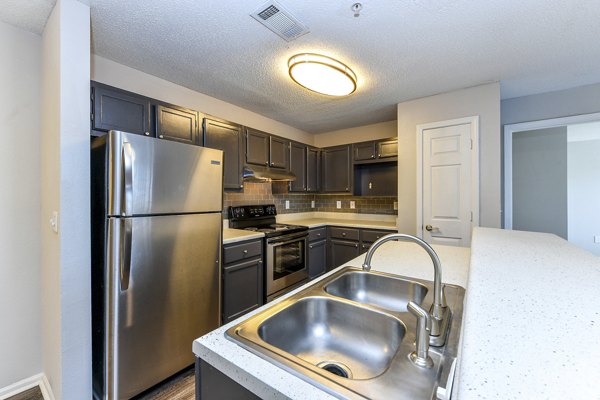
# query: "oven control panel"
{"type": "Point", "coordinates": [249, 212]}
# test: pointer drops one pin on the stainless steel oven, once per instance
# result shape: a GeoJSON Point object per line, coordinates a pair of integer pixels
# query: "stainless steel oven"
{"type": "Point", "coordinates": [287, 262]}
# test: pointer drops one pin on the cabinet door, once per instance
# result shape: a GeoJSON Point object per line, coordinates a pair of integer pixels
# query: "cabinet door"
{"type": "Point", "coordinates": [364, 151]}
{"type": "Point", "coordinates": [298, 167]}
{"type": "Point", "coordinates": [115, 109]}
{"type": "Point", "coordinates": [242, 288]}
{"type": "Point", "coordinates": [312, 170]}
{"type": "Point", "coordinates": [257, 147]}
{"type": "Point", "coordinates": [279, 150]}
{"type": "Point", "coordinates": [177, 124]}
{"type": "Point", "coordinates": [317, 258]}
{"type": "Point", "coordinates": [336, 169]}
{"type": "Point", "coordinates": [388, 148]}
{"type": "Point", "coordinates": [343, 251]}
{"type": "Point", "coordinates": [225, 136]}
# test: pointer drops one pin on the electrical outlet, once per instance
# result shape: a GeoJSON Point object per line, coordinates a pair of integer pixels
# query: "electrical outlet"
{"type": "Point", "coordinates": [287, 204]}
{"type": "Point", "coordinates": [338, 204]}
{"type": "Point", "coordinates": [312, 204]}
{"type": "Point", "coordinates": [395, 205]}
{"type": "Point", "coordinates": [352, 204]}
{"type": "Point", "coordinates": [597, 239]}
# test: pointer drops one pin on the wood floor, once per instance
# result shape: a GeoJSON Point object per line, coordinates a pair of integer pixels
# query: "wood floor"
{"type": "Point", "coordinates": [30, 394]}
{"type": "Point", "coordinates": [180, 387]}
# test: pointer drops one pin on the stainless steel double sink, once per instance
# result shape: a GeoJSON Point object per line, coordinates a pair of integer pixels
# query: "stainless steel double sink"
{"type": "Point", "coordinates": [350, 334]}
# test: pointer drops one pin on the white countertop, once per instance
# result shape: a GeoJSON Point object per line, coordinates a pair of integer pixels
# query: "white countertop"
{"type": "Point", "coordinates": [532, 319]}
{"type": "Point", "coordinates": [531, 328]}
{"type": "Point", "coordinates": [316, 220]}
{"type": "Point", "coordinates": [271, 382]}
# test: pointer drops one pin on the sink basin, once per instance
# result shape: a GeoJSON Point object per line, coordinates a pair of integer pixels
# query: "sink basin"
{"type": "Point", "coordinates": [382, 291]}
{"type": "Point", "coordinates": [343, 339]}
{"type": "Point", "coordinates": [350, 335]}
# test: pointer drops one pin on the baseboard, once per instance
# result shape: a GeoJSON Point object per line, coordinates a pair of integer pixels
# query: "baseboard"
{"type": "Point", "coordinates": [28, 383]}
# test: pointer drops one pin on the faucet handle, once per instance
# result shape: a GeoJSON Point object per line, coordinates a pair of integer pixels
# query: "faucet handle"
{"type": "Point", "coordinates": [420, 357]}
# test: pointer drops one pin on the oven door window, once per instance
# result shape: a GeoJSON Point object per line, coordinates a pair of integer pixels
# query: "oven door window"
{"type": "Point", "coordinates": [288, 258]}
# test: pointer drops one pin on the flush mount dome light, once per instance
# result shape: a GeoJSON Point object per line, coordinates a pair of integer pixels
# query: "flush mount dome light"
{"type": "Point", "coordinates": [322, 74]}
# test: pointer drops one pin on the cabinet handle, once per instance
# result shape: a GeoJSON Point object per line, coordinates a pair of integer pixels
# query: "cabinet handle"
{"type": "Point", "coordinates": [378, 155]}
{"type": "Point", "coordinates": [161, 136]}
{"type": "Point", "coordinates": [147, 133]}
{"type": "Point", "coordinates": [310, 247]}
{"type": "Point", "coordinates": [245, 252]}
{"type": "Point", "coordinates": [356, 245]}
{"type": "Point", "coordinates": [318, 234]}
{"type": "Point", "coordinates": [267, 163]}
{"type": "Point", "coordinates": [372, 155]}
{"type": "Point", "coordinates": [346, 188]}
{"type": "Point", "coordinates": [343, 233]}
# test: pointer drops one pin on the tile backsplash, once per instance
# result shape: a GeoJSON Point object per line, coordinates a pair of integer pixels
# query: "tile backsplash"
{"type": "Point", "coordinates": [262, 193]}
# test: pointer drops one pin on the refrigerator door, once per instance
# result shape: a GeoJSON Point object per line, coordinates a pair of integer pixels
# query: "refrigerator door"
{"type": "Point", "coordinates": [162, 292]}
{"type": "Point", "coordinates": [148, 176]}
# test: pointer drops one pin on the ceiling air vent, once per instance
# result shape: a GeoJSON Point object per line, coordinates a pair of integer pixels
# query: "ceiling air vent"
{"type": "Point", "coordinates": [277, 19]}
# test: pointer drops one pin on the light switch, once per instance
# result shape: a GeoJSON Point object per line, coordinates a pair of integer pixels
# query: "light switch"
{"type": "Point", "coordinates": [54, 221]}
{"type": "Point", "coordinates": [352, 204]}
{"type": "Point", "coordinates": [287, 204]}
{"type": "Point", "coordinates": [597, 239]}
{"type": "Point", "coordinates": [395, 205]}
{"type": "Point", "coordinates": [338, 204]}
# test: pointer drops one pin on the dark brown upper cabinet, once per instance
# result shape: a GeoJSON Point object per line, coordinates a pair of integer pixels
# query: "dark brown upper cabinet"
{"type": "Point", "coordinates": [364, 151]}
{"type": "Point", "coordinates": [313, 169]}
{"type": "Point", "coordinates": [119, 110]}
{"type": "Point", "coordinates": [298, 167]}
{"type": "Point", "coordinates": [177, 124]}
{"type": "Point", "coordinates": [257, 147]}
{"type": "Point", "coordinates": [226, 136]}
{"type": "Point", "coordinates": [375, 151]}
{"type": "Point", "coordinates": [266, 150]}
{"type": "Point", "coordinates": [337, 171]}
{"type": "Point", "coordinates": [387, 148]}
{"type": "Point", "coordinates": [278, 152]}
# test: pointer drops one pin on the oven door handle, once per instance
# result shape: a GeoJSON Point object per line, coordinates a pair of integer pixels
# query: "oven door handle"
{"type": "Point", "coordinates": [287, 240]}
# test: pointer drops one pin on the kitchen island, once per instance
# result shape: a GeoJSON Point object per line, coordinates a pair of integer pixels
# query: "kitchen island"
{"type": "Point", "coordinates": [531, 325]}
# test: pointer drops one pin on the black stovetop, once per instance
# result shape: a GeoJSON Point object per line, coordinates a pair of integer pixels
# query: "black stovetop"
{"type": "Point", "coordinates": [260, 218]}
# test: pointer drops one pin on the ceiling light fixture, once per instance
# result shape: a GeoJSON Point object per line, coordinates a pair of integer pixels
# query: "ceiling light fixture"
{"type": "Point", "coordinates": [322, 74]}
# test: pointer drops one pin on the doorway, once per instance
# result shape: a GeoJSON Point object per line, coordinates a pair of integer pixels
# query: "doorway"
{"type": "Point", "coordinates": [552, 178]}
{"type": "Point", "coordinates": [448, 181]}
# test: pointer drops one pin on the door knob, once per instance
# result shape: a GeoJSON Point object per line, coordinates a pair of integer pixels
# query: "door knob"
{"type": "Point", "coordinates": [431, 228]}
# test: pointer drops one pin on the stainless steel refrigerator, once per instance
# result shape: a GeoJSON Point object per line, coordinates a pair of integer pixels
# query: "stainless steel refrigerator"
{"type": "Point", "coordinates": [156, 240]}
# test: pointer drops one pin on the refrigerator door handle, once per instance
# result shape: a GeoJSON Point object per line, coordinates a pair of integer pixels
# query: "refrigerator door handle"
{"type": "Point", "coordinates": [127, 171]}
{"type": "Point", "coordinates": [125, 251]}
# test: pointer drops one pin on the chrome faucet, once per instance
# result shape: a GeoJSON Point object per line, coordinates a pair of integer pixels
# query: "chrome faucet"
{"type": "Point", "coordinates": [440, 313]}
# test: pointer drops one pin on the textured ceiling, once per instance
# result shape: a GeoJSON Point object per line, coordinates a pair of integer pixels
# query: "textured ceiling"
{"type": "Point", "coordinates": [30, 15]}
{"type": "Point", "coordinates": [400, 50]}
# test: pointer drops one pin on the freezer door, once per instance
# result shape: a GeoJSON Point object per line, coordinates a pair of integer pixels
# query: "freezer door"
{"type": "Point", "coordinates": [162, 292]}
{"type": "Point", "coordinates": [148, 176]}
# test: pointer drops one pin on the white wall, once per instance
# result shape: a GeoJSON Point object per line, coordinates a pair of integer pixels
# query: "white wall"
{"type": "Point", "coordinates": [483, 101]}
{"type": "Point", "coordinates": [364, 133]}
{"type": "Point", "coordinates": [65, 150]}
{"type": "Point", "coordinates": [118, 75]}
{"type": "Point", "coordinates": [583, 187]}
{"type": "Point", "coordinates": [20, 303]}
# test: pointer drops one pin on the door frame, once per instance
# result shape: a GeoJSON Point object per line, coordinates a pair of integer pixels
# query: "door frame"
{"type": "Point", "coordinates": [523, 127]}
{"type": "Point", "coordinates": [474, 121]}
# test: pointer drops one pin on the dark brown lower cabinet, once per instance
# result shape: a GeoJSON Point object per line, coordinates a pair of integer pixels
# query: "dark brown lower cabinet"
{"type": "Point", "coordinates": [212, 384]}
{"type": "Point", "coordinates": [342, 251]}
{"type": "Point", "coordinates": [317, 258]}
{"type": "Point", "coordinates": [242, 279]}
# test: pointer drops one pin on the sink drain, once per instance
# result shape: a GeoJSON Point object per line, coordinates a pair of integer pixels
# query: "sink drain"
{"type": "Point", "coordinates": [336, 368]}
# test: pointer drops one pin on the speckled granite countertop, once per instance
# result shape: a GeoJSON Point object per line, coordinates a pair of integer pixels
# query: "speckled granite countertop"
{"type": "Point", "coordinates": [271, 382]}
{"type": "Point", "coordinates": [532, 319]}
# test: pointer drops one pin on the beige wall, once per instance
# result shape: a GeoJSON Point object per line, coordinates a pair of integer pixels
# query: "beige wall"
{"type": "Point", "coordinates": [20, 283]}
{"type": "Point", "coordinates": [483, 101]}
{"type": "Point", "coordinates": [381, 130]}
{"type": "Point", "coordinates": [65, 183]}
{"type": "Point", "coordinates": [121, 76]}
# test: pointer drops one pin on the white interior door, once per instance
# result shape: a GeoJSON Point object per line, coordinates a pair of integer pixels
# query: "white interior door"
{"type": "Point", "coordinates": [447, 209]}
